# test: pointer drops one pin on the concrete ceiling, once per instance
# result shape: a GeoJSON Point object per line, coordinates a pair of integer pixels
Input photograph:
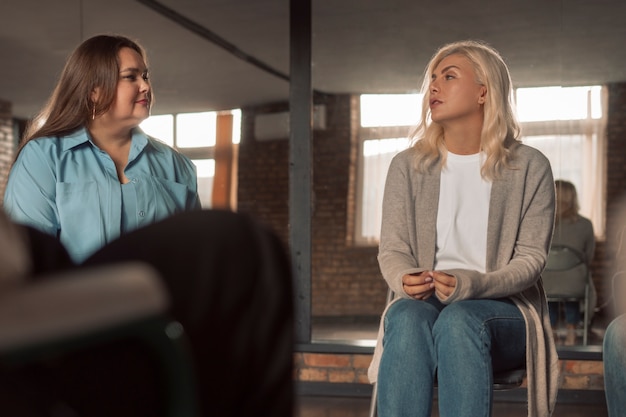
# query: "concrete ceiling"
{"type": "Point", "coordinates": [359, 46]}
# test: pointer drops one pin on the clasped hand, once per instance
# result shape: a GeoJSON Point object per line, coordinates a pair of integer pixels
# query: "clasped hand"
{"type": "Point", "coordinates": [422, 285]}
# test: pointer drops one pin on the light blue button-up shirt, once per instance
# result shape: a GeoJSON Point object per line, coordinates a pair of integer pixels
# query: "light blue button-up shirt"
{"type": "Point", "coordinates": [68, 187]}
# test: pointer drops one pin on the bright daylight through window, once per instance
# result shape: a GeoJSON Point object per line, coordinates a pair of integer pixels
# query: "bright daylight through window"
{"type": "Point", "coordinates": [565, 123]}
{"type": "Point", "coordinates": [194, 134]}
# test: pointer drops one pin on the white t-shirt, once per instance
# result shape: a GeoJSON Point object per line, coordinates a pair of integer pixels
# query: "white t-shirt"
{"type": "Point", "coordinates": [463, 214]}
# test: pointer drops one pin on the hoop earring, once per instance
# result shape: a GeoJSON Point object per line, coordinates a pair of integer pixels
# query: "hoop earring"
{"type": "Point", "coordinates": [93, 113]}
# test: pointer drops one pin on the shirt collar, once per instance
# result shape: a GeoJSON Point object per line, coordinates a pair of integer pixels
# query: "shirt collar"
{"type": "Point", "coordinates": [80, 136]}
{"type": "Point", "coordinates": [76, 138]}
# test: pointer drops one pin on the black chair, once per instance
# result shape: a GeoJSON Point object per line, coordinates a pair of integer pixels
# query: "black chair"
{"type": "Point", "coordinates": [505, 380]}
{"type": "Point", "coordinates": [77, 311]}
{"type": "Point", "coordinates": [567, 278]}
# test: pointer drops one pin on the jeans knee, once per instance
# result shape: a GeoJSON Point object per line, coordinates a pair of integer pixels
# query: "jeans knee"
{"type": "Point", "coordinates": [457, 325]}
{"type": "Point", "coordinates": [614, 344]}
{"type": "Point", "coordinates": [410, 317]}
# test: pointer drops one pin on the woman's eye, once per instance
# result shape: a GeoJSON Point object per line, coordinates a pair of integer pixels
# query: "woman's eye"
{"type": "Point", "coordinates": [145, 76]}
{"type": "Point", "coordinates": [129, 77]}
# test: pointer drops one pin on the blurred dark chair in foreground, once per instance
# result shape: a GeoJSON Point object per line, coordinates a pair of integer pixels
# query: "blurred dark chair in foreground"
{"type": "Point", "coordinates": [92, 312]}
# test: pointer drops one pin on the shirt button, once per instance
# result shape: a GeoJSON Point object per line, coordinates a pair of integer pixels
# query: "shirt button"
{"type": "Point", "coordinates": [134, 180]}
{"type": "Point", "coordinates": [142, 213]}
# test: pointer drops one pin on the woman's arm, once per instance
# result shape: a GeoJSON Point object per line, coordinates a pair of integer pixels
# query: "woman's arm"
{"type": "Point", "coordinates": [30, 195]}
{"type": "Point", "coordinates": [396, 256]}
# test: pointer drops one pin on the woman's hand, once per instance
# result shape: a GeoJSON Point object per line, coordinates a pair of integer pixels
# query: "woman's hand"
{"type": "Point", "coordinates": [419, 286]}
{"type": "Point", "coordinates": [444, 284]}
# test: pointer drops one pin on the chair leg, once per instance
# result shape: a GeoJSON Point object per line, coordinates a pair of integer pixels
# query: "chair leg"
{"type": "Point", "coordinates": [586, 317]}
{"type": "Point", "coordinates": [373, 402]}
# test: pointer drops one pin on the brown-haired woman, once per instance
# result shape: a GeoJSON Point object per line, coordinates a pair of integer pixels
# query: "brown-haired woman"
{"type": "Point", "coordinates": [88, 176]}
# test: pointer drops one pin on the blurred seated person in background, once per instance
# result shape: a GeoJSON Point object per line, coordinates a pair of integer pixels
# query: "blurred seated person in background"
{"type": "Point", "coordinates": [573, 230]}
{"type": "Point", "coordinates": [88, 182]}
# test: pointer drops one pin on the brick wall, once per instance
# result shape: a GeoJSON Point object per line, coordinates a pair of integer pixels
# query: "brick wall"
{"type": "Point", "coordinates": [6, 143]}
{"type": "Point", "coordinates": [604, 264]}
{"type": "Point", "coordinates": [345, 278]}
{"type": "Point", "coordinates": [352, 368]}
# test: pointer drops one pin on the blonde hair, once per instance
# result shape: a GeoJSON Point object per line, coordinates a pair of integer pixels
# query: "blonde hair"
{"type": "Point", "coordinates": [94, 64]}
{"type": "Point", "coordinates": [566, 200]}
{"type": "Point", "coordinates": [500, 129]}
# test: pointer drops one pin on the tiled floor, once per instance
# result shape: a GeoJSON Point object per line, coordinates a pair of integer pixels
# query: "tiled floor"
{"type": "Point", "coordinates": [359, 407]}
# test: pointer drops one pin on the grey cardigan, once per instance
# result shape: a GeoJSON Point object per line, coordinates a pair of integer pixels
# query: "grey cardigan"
{"type": "Point", "coordinates": [521, 221]}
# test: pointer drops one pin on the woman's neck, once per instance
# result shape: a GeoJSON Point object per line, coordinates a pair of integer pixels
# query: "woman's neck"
{"type": "Point", "coordinates": [107, 137]}
{"type": "Point", "coordinates": [462, 140]}
{"type": "Point", "coordinates": [116, 143]}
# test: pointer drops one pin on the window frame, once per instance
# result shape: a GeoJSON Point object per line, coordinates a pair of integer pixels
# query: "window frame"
{"type": "Point", "coordinates": [208, 152]}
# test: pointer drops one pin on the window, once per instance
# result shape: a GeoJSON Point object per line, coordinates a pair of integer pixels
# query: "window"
{"type": "Point", "coordinates": [206, 172]}
{"type": "Point", "coordinates": [194, 135]}
{"type": "Point", "coordinates": [194, 130]}
{"type": "Point", "coordinates": [385, 123]}
{"type": "Point", "coordinates": [565, 123]}
{"type": "Point", "coordinates": [161, 127]}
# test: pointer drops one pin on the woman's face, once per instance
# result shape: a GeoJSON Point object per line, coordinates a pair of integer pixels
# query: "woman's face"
{"type": "Point", "coordinates": [454, 93]}
{"type": "Point", "coordinates": [564, 200]}
{"type": "Point", "coordinates": [132, 101]}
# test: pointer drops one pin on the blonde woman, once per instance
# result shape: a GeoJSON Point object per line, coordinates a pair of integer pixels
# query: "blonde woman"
{"type": "Point", "coordinates": [575, 231]}
{"type": "Point", "coordinates": [468, 214]}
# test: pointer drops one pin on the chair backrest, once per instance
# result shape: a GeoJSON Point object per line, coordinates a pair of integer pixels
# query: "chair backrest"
{"type": "Point", "coordinates": [566, 274]}
{"type": "Point", "coordinates": [15, 261]}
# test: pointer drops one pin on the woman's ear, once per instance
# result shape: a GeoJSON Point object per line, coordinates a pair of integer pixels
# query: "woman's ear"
{"type": "Point", "coordinates": [95, 94]}
{"type": "Point", "coordinates": [483, 95]}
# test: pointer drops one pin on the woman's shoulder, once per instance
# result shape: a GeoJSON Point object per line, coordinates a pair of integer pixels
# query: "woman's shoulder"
{"type": "Point", "coordinates": [529, 155]}
{"type": "Point", "coordinates": [584, 221]}
{"type": "Point", "coordinates": [168, 152]}
{"type": "Point", "coordinates": [526, 151]}
{"type": "Point", "coordinates": [405, 156]}
{"type": "Point", "coordinates": [52, 146]}
{"type": "Point", "coordinates": [159, 145]}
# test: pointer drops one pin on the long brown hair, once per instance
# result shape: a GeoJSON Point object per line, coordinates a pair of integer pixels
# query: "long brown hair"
{"type": "Point", "coordinates": [94, 64]}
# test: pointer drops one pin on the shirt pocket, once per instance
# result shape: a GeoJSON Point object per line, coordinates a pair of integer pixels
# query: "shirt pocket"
{"type": "Point", "coordinates": [81, 218]}
{"type": "Point", "coordinates": [169, 197]}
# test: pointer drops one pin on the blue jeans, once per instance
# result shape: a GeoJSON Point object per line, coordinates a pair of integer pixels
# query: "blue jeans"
{"type": "Point", "coordinates": [460, 344]}
{"type": "Point", "coordinates": [614, 355]}
{"type": "Point", "coordinates": [572, 312]}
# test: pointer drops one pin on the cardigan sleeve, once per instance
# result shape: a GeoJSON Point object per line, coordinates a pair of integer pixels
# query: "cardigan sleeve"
{"type": "Point", "coordinates": [397, 253]}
